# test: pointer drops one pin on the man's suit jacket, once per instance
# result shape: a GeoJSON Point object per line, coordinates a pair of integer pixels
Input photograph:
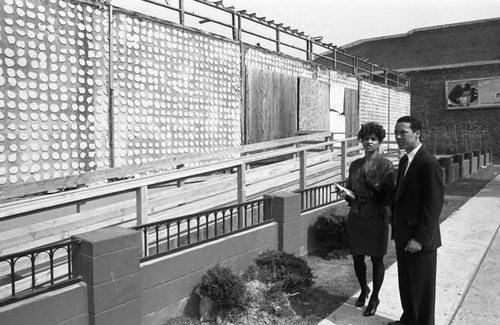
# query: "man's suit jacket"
{"type": "Point", "coordinates": [418, 201]}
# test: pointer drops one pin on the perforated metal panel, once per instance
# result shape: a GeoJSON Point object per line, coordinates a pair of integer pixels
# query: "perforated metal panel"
{"type": "Point", "coordinates": [176, 92]}
{"type": "Point", "coordinates": [53, 101]}
{"type": "Point", "coordinates": [285, 65]}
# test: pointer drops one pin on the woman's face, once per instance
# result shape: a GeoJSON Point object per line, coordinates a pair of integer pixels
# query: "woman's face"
{"type": "Point", "coordinates": [464, 100]}
{"type": "Point", "coordinates": [370, 143]}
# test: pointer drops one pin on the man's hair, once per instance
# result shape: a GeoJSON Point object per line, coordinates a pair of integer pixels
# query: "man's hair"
{"type": "Point", "coordinates": [415, 124]}
{"type": "Point", "coordinates": [371, 128]}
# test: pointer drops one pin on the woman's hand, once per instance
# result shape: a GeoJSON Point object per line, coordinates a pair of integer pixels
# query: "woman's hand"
{"type": "Point", "coordinates": [372, 184]}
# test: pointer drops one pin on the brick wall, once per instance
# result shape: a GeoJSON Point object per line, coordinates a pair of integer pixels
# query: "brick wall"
{"type": "Point", "coordinates": [450, 131]}
{"type": "Point", "coordinates": [457, 43]}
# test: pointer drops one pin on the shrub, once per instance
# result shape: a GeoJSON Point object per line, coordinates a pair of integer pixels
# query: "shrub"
{"type": "Point", "coordinates": [284, 269]}
{"type": "Point", "coordinates": [331, 230]}
{"type": "Point", "coordinates": [222, 286]}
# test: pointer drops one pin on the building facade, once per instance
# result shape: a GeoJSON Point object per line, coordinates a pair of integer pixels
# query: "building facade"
{"type": "Point", "coordinates": [454, 73]}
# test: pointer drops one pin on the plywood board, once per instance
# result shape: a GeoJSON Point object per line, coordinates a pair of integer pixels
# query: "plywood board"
{"type": "Point", "coordinates": [351, 111]}
{"type": "Point", "coordinates": [314, 102]}
{"type": "Point", "coordinates": [271, 105]}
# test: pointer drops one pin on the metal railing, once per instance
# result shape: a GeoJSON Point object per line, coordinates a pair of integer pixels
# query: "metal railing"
{"type": "Point", "coordinates": [36, 271]}
{"type": "Point", "coordinates": [311, 48]}
{"type": "Point", "coordinates": [319, 196]}
{"type": "Point", "coordinates": [171, 235]}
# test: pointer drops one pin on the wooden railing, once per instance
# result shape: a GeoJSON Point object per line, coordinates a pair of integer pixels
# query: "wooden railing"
{"type": "Point", "coordinates": [298, 163]}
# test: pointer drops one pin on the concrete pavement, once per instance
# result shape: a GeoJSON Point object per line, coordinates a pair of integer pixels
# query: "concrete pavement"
{"type": "Point", "coordinates": [468, 275]}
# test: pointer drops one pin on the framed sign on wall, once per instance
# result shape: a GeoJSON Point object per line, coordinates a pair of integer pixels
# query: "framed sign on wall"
{"type": "Point", "coordinates": [472, 93]}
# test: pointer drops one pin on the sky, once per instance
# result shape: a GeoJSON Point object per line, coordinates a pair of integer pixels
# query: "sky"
{"type": "Point", "coordinates": [345, 21]}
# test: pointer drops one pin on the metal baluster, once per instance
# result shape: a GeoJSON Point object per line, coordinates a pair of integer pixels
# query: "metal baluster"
{"type": "Point", "coordinates": [51, 261]}
{"type": "Point", "coordinates": [12, 276]}
{"type": "Point", "coordinates": [178, 233]}
{"type": "Point", "coordinates": [224, 221]}
{"type": "Point", "coordinates": [215, 224]}
{"type": "Point", "coordinates": [70, 258]}
{"type": "Point", "coordinates": [231, 217]}
{"type": "Point", "coordinates": [168, 236]}
{"type": "Point", "coordinates": [198, 227]}
{"type": "Point", "coordinates": [157, 233]}
{"type": "Point", "coordinates": [33, 280]}
{"type": "Point", "coordinates": [246, 214]}
{"type": "Point", "coordinates": [206, 226]}
{"type": "Point", "coordinates": [145, 236]}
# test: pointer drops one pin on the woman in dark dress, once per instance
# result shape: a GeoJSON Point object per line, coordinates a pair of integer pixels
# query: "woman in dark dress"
{"type": "Point", "coordinates": [372, 180]}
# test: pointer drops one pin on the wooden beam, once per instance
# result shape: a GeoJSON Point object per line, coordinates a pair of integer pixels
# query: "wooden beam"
{"type": "Point", "coordinates": [241, 183]}
{"type": "Point", "coordinates": [303, 169]}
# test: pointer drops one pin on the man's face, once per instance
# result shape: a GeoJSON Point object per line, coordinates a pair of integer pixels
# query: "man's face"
{"type": "Point", "coordinates": [405, 137]}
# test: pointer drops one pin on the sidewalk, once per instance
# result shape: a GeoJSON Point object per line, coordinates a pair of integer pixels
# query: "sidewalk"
{"type": "Point", "coordinates": [468, 275]}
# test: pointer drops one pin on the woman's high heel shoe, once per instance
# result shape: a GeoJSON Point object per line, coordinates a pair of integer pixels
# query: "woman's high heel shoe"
{"type": "Point", "coordinates": [362, 297]}
{"type": "Point", "coordinates": [371, 309]}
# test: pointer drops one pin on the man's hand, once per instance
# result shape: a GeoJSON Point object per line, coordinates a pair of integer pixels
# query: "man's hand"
{"type": "Point", "coordinates": [413, 246]}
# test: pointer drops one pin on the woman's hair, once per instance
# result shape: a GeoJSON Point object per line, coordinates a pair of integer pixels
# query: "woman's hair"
{"type": "Point", "coordinates": [459, 90]}
{"type": "Point", "coordinates": [371, 128]}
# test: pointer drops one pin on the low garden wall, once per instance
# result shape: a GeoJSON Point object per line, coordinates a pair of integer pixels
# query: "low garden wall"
{"type": "Point", "coordinates": [64, 306]}
{"type": "Point", "coordinates": [462, 164]}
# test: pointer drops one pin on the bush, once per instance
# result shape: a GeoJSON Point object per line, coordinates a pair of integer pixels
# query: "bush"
{"type": "Point", "coordinates": [283, 269]}
{"type": "Point", "coordinates": [222, 286]}
{"type": "Point", "coordinates": [331, 230]}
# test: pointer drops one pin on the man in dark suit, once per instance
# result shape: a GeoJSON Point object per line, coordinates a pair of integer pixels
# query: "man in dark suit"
{"type": "Point", "coordinates": [416, 207]}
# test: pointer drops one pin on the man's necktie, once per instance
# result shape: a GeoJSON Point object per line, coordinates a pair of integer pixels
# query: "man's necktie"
{"type": "Point", "coordinates": [403, 163]}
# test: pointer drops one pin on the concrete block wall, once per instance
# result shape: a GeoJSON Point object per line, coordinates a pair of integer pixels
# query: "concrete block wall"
{"type": "Point", "coordinates": [168, 282]}
{"type": "Point", "coordinates": [108, 262]}
{"type": "Point", "coordinates": [66, 306]}
{"type": "Point", "coordinates": [462, 164]}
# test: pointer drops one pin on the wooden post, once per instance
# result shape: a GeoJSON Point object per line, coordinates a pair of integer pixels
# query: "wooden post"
{"type": "Point", "coordinates": [241, 183]}
{"type": "Point", "coordinates": [181, 12]}
{"type": "Point", "coordinates": [334, 59]}
{"type": "Point", "coordinates": [343, 160]}
{"type": "Point", "coordinates": [308, 50]}
{"type": "Point", "coordinates": [327, 139]}
{"type": "Point", "coordinates": [111, 114]}
{"type": "Point", "coordinates": [277, 40]}
{"type": "Point", "coordinates": [141, 195]}
{"type": "Point", "coordinates": [303, 170]}
{"type": "Point", "coordinates": [180, 182]}
{"type": "Point", "coordinates": [236, 29]}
